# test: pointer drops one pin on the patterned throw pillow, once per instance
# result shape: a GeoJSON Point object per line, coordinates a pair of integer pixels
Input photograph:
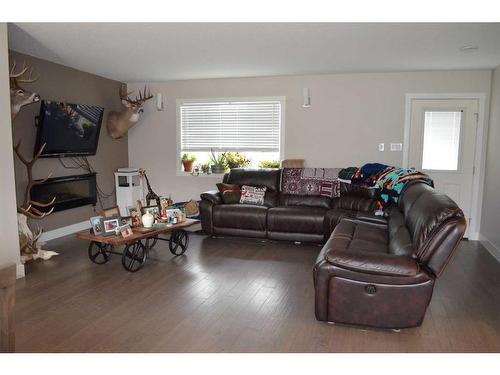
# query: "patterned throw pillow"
{"type": "Point", "coordinates": [252, 195]}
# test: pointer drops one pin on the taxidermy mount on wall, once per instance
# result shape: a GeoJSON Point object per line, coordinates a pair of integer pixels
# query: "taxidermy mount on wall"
{"type": "Point", "coordinates": [29, 241]}
{"type": "Point", "coordinates": [20, 97]}
{"type": "Point", "coordinates": [119, 123]}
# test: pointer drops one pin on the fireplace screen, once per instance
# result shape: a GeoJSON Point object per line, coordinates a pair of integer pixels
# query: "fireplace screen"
{"type": "Point", "coordinates": [70, 191]}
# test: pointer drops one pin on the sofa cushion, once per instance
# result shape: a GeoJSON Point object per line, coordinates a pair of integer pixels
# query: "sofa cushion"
{"type": "Point", "coordinates": [357, 190]}
{"type": "Point", "coordinates": [296, 219]}
{"type": "Point", "coordinates": [269, 178]}
{"type": "Point", "coordinates": [305, 200]}
{"type": "Point", "coordinates": [400, 241]}
{"type": "Point", "coordinates": [243, 216]}
{"type": "Point", "coordinates": [354, 203]}
{"type": "Point", "coordinates": [364, 247]}
{"type": "Point", "coordinates": [334, 215]}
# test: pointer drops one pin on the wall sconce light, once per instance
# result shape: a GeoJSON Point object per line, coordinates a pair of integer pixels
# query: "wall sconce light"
{"type": "Point", "coordinates": [159, 102]}
{"type": "Point", "coordinates": [307, 98]}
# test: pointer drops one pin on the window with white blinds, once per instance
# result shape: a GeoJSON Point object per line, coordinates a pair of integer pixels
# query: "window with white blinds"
{"type": "Point", "coordinates": [230, 125]}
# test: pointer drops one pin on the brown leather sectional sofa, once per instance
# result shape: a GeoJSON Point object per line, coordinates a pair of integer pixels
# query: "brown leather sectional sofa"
{"type": "Point", "coordinates": [372, 271]}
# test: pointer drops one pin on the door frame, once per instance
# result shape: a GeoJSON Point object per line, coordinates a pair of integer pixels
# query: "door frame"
{"type": "Point", "coordinates": [479, 151]}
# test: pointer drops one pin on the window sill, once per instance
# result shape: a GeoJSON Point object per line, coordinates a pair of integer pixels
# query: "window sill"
{"type": "Point", "coordinates": [202, 175]}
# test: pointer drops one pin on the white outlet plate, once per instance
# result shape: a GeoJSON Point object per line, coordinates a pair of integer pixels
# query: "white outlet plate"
{"type": "Point", "coordinates": [381, 147]}
{"type": "Point", "coordinates": [396, 147]}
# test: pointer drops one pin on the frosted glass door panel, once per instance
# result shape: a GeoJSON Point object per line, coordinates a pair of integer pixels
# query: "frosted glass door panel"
{"type": "Point", "coordinates": [441, 140]}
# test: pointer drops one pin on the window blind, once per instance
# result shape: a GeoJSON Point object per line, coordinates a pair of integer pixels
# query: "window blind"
{"type": "Point", "coordinates": [230, 125]}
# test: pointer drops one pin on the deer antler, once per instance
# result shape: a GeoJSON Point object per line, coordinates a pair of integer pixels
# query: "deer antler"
{"type": "Point", "coordinates": [18, 77]}
{"type": "Point", "coordinates": [143, 96]}
{"type": "Point", "coordinates": [29, 206]}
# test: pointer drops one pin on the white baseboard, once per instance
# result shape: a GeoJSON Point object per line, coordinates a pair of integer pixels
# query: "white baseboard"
{"type": "Point", "coordinates": [64, 231]}
{"type": "Point", "coordinates": [492, 249]}
{"type": "Point", "coordinates": [475, 236]}
{"type": "Point", "coordinates": [20, 271]}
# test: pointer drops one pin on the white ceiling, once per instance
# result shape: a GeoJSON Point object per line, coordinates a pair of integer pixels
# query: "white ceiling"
{"type": "Point", "coordinates": [131, 52]}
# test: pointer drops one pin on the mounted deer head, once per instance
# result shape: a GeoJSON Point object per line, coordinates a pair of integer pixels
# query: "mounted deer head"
{"type": "Point", "coordinates": [119, 123]}
{"type": "Point", "coordinates": [20, 97]}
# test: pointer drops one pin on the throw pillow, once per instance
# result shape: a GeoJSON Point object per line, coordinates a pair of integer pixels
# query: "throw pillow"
{"type": "Point", "coordinates": [230, 193]}
{"type": "Point", "coordinates": [222, 187]}
{"type": "Point", "coordinates": [252, 195]}
{"type": "Point", "coordinates": [231, 196]}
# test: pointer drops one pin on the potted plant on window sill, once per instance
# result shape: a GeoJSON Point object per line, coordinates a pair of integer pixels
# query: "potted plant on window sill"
{"type": "Point", "coordinates": [217, 161]}
{"type": "Point", "coordinates": [236, 160]}
{"type": "Point", "coordinates": [187, 162]}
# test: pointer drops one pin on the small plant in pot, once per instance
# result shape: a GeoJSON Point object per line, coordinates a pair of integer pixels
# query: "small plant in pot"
{"type": "Point", "coordinates": [217, 161]}
{"type": "Point", "coordinates": [205, 168]}
{"type": "Point", "coordinates": [236, 160]}
{"type": "Point", "coordinates": [187, 162]}
{"type": "Point", "coordinates": [264, 164]}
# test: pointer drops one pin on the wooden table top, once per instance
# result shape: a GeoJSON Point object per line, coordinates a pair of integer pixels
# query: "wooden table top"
{"type": "Point", "coordinates": [117, 240]}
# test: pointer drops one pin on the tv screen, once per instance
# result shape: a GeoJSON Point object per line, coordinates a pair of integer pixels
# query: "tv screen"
{"type": "Point", "coordinates": [68, 129]}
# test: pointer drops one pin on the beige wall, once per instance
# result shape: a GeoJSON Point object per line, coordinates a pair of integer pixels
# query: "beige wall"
{"type": "Point", "coordinates": [9, 246]}
{"type": "Point", "coordinates": [61, 83]}
{"type": "Point", "coordinates": [490, 221]}
{"type": "Point", "coordinates": [350, 115]}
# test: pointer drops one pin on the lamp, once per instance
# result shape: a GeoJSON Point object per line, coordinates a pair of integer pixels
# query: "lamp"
{"type": "Point", "coordinates": [159, 102]}
{"type": "Point", "coordinates": [307, 98]}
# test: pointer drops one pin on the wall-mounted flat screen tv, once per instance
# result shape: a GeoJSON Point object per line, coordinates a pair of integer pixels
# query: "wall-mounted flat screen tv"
{"type": "Point", "coordinates": [68, 129]}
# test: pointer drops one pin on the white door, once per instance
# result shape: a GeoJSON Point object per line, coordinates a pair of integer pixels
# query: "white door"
{"type": "Point", "coordinates": [442, 145]}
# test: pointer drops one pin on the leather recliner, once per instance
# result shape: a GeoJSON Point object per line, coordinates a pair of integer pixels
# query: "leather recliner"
{"type": "Point", "coordinates": [382, 274]}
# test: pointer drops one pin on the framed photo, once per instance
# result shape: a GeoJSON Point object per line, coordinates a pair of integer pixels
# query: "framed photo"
{"type": "Point", "coordinates": [96, 225]}
{"type": "Point", "coordinates": [110, 212]}
{"type": "Point", "coordinates": [127, 220]}
{"type": "Point", "coordinates": [125, 231]}
{"type": "Point", "coordinates": [110, 225]}
{"type": "Point", "coordinates": [131, 210]}
{"type": "Point", "coordinates": [136, 216]}
{"type": "Point", "coordinates": [153, 210]}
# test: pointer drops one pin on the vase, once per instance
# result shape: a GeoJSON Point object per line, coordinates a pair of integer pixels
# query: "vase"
{"type": "Point", "coordinates": [217, 168]}
{"type": "Point", "coordinates": [147, 220]}
{"type": "Point", "coordinates": [188, 165]}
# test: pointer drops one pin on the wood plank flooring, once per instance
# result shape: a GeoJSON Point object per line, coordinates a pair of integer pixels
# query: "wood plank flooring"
{"type": "Point", "coordinates": [234, 295]}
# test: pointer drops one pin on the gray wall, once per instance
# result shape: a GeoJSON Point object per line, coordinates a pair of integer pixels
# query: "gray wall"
{"type": "Point", "coordinates": [9, 245]}
{"type": "Point", "coordinates": [61, 83]}
{"type": "Point", "coordinates": [490, 220]}
{"type": "Point", "coordinates": [349, 116]}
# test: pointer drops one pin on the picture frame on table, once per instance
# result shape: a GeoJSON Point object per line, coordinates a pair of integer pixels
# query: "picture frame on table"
{"type": "Point", "coordinates": [153, 210]}
{"type": "Point", "coordinates": [136, 216]}
{"type": "Point", "coordinates": [125, 231]}
{"type": "Point", "coordinates": [127, 220]}
{"type": "Point", "coordinates": [110, 224]}
{"type": "Point", "coordinates": [111, 212]}
{"type": "Point", "coordinates": [96, 225]}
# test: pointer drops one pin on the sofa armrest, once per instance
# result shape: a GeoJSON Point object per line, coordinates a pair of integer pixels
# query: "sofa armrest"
{"type": "Point", "coordinates": [212, 196]}
{"type": "Point", "coordinates": [374, 263]}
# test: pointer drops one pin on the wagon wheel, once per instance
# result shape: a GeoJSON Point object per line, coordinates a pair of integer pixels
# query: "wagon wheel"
{"type": "Point", "coordinates": [134, 256]}
{"type": "Point", "coordinates": [178, 243]}
{"type": "Point", "coordinates": [151, 242]}
{"type": "Point", "coordinates": [99, 253]}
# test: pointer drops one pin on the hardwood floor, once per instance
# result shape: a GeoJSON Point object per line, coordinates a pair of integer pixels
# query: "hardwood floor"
{"type": "Point", "coordinates": [234, 295]}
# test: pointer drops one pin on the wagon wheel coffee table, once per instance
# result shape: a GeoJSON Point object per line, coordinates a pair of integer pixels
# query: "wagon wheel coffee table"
{"type": "Point", "coordinates": [137, 245]}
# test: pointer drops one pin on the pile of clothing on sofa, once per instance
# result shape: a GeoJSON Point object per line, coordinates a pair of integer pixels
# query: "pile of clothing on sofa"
{"type": "Point", "coordinates": [390, 181]}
